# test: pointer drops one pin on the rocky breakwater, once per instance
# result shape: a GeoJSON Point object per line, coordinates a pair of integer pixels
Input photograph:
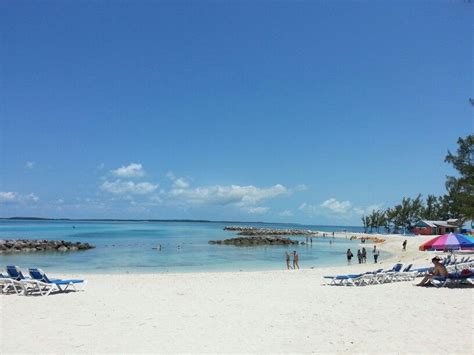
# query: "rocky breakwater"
{"type": "Point", "coordinates": [251, 231]}
{"type": "Point", "coordinates": [32, 245]}
{"type": "Point", "coordinates": [249, 241]}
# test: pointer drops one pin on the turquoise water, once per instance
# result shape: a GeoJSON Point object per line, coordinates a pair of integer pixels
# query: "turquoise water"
{"type": "Point", "coordinates": [127, 247]}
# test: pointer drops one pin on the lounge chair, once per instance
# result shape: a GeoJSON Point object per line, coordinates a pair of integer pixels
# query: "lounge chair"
{"type": "Point", "coordinates": [452, 279]}
{"type": "Point", "coordinates": [348, 280]}
{"type": "Point", "coordinates": [422, 271]}
{"type": "Point", "coordinates": [388, 275]}
{"type": "Point", "coordinates": [8, 284]}
{"type": "Point", "coordinates": [45, 285]}
{"type": "Point", "coordinates": [406, 275]}
{"type": "Point", "coordinates": [15, 273]}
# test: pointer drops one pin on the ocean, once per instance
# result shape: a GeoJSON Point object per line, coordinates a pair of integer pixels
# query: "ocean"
{"type": "Point", "coordinates": [127, 247]}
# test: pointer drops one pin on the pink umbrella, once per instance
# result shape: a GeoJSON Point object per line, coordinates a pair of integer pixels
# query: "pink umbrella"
{"type": "Point", "coordinates": [449, 241]}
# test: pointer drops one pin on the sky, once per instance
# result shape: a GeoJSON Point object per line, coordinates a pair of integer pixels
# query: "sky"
{"type": "Point", "coordinates": [311, 112]}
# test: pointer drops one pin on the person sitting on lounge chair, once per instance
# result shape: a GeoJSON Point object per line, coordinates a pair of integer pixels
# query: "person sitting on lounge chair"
{"type": "Point", "coordinates": [439, 270]}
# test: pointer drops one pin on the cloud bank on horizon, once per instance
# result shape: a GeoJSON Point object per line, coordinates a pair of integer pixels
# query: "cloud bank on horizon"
{"type": "Point", "coordinates": [124, 190]}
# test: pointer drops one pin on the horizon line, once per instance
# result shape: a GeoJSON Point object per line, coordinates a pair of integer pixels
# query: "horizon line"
{"type": "Point", "coordinates": [159, 220]}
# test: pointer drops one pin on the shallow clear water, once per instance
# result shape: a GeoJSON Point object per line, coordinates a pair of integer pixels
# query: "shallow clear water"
{"type": "Point", "coordinates": [128, 247]}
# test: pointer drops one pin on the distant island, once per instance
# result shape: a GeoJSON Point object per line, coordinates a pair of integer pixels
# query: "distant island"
{"type": "Point", "coordinates": [21, 218]}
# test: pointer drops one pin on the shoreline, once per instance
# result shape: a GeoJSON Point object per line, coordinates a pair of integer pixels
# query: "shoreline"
{"type": "Point", "coordinates": [392, 245]}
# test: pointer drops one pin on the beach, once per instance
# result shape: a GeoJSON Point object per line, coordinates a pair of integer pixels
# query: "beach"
{"type": "Point", "coordinates": [256, 312]}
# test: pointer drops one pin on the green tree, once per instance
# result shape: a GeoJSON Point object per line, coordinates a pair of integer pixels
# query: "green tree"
{"type": "Point", "coordinates": [461, 189]}
{"type": "Point", "coordinates": [432, 209]}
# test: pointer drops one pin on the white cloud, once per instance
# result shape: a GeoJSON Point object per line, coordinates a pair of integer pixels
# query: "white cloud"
{"type": "Point", "coordinates": [258, 210]}
{"type": "Point", "coordinates": [308, 208]}
{"type": "Point", "coordinates": [286, 213]}
{"type": "Point", "coordinates": [180, 183]}
{"type": "Point", "coordinates": [301, 187]}
{"type": "Point", "coordinates": [100, 166]}
{"type": "Point", "coordinates": [7, 196]}
{"type": "Point", "coordinates": [227, 195]}
{"type": "Point", "coordinates": [156, 199]}
{"type": "Point", "coordinates": [13, 197]}
{"type": "Point", "coordinates": [338, 209]}
{"type": "Point", "coordinates": [362, 211]}
{"type": "Point", "coordinates": [29, 164]}
{"type": "Point", "coordinates": [170, 175]}
{"type": "Point", "coordinates": [31, 197]}
{"type": "Point", "coordinates": [132, 170]}
{"type": "Point", "coordinates": [120, 187]}
{"type": "Point", "coordinates": [337, 206]}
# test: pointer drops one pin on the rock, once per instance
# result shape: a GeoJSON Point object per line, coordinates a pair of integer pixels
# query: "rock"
{"type": "Point", "coordinates": [251, 231]}
{"type": "Point", "coordinates": [247, 241]}
{"type": "Point", "coordinates": [29, 245]}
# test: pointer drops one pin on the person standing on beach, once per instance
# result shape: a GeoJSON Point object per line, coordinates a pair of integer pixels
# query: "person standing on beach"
{"type": "Point", "coordinates": [359, 256]}
{"type": "Point", "coordinates": [364, 255]}
{"type": "Point", "coordinates": [404, 245]}
{"type": "Point", "coordinates": [376, 254]}
{"type": "Point", "coordinates": [349, 256]}
{"type": "Point", "coordinates": [295, 260]}
{"type": "Point", "coordinates": [287, 256]}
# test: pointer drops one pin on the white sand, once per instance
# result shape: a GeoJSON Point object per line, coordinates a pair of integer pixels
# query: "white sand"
{"type": "Point", "coordinates": [259, 312]}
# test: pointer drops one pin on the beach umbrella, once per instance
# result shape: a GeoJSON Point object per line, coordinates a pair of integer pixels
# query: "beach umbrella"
{"type": "Point", "coordinates": [449, 241]}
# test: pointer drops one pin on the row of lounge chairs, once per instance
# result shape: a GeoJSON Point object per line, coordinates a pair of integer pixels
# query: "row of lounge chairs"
{"type": "Point", "coordinates": [397, 273]}
{"type": "Point", "coordinates": [452, 261]}
{"type": "Point", "coordinates": [451, 265]}
{"type": "Point", "coordinates": [38, 283]}
{"type": "Point", "coordinates": [380, 276]}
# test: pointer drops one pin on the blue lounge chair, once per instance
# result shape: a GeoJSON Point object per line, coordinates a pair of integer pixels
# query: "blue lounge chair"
{"type": "Point", "coordinates": [406, 275]}
{"type": "Point", "coordinates": [388, 275]}
{"type": "Point", "coordinates": [45, 285]}
{"type": "Point", "coordinates": [349, 280]}
{"type": "Point", "coordinates": [15, 273]}
{"type": "Point", "coordinates": [12, 281]}
{"type": "Point", "coordinates": [452, 279]}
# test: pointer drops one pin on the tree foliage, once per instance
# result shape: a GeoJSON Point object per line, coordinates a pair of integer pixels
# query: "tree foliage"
{"type": "Point", "coordinates": [457, 203]}
{"type": "Point", "coordinates": [461, 189]}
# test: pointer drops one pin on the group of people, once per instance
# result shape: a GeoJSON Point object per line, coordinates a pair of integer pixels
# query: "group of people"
{"type": "Point", "coordinates": [295, 260]}
{"type": "Point", "coordinates": [362, 255]}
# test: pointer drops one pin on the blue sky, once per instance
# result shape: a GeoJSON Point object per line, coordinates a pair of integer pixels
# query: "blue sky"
{"type": "Point", "coordinates": [310, 112]}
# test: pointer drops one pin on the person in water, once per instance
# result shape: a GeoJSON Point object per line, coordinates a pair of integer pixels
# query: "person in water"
{"type": "Point", "coordinates": [349, 256]}
{"type": "Point", "coordinates": [287, 256]}
{"type": "Point", "coordinates": [439, 270]}
{"type": "Point", "coordinates": [376, 254]}
{"type": "Point", "coordinates": [295, 260]}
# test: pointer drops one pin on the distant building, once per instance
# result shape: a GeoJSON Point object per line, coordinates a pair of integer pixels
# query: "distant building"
{"type": "Point", "coordinates": [425, 227]}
